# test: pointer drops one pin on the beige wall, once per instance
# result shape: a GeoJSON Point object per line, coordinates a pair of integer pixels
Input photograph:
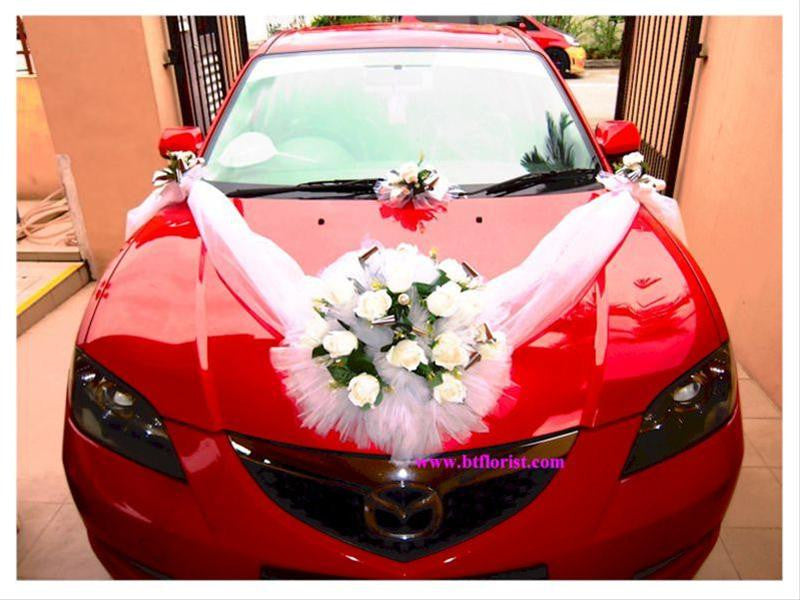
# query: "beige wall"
{"type": "Point", "coordinates": [729, 186]}
{"type": "Point", "coordinates": [107, 97]}
{"type": "Point", "coordinates": [37, 174]}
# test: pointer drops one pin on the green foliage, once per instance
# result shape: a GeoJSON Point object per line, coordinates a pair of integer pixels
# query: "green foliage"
{"type": "Point", "coordinates": [341, 375]}
{"type": "Point", "coordinates": [327, 20]}
{"type": "Point", "coordinates": [297, 22]}
{"type": "Point", "coordinates": [601, 36]}
{"type": "Point", "coordinates": [570, 24]}
{"type": "Point", "coordinates": [343, 369]}
{"type": "Point", "coordinates": [358, 362]}
{"type": "Point", "coordinates": [558, 153]}
{"type": "Point", "coordinates": [425, 289]}
{"type": "Point", "coordinates": [605, 39]}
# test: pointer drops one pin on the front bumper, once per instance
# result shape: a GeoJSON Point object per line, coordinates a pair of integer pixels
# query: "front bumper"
{"type": "Point", "coordinates": [660, 522]}
{"type": "Point", "coordinates": [577, 59]}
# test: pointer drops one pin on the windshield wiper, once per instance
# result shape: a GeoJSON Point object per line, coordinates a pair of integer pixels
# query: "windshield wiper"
{"type": "Point", "coordinates": [336, 186]}
{"type": "Point", "coordinates": [574, 176]}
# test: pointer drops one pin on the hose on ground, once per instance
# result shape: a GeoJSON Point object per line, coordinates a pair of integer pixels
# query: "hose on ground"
{"type": "Point", "coordinates": [48, 222]}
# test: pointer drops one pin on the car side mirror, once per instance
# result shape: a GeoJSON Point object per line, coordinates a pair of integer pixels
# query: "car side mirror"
{"type": "Point", "coordinates": [617, 137]}
{"type": "Point", "coordinates": [180, 139]}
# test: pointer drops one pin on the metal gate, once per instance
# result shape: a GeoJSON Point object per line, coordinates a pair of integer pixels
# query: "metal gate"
{"type": "Point", "coordinates": [207, 54]}
{"type": "Point", "coordinates": [655, 82]}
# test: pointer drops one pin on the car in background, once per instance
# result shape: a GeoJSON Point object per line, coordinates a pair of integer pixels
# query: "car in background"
{"type": "Point", "coordinates": [184, 452]}
{"type": "Point", "coordinates": [563, 49]}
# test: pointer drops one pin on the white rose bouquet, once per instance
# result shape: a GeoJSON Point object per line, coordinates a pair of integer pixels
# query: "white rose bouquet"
{"type": "Point", "coordinates": [416, 183]}
{"type": "Point", "coordinates": [405, 319]}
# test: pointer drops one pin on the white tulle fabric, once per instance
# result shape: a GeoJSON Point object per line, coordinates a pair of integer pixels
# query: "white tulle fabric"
{"type": "Point", "coordinates": [521, 302]}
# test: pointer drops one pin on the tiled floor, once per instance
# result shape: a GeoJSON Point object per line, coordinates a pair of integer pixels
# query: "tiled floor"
{"type": "Point", "coordinates": [52, 542]}
{"type": "Point", "coordinates": [749, 546]}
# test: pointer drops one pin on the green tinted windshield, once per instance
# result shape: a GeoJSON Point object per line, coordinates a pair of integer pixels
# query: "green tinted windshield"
{"type": "Point", "coordinates": [478, 116]}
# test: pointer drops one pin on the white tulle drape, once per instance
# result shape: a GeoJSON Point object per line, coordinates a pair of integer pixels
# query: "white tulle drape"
{"type": "Point", "coordinates": [525, 300]}
{"type": "Point", "coordinates": [521, 302]}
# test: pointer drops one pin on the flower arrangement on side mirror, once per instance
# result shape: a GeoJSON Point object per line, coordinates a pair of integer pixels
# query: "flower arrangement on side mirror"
{"type": "Point", "coordinates": [635, 168]}
{"type": "Point", "coordinates": [178, 163]}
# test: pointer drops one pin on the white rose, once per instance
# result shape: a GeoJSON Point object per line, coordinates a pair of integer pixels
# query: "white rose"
{"type": "Point", "coordinates": [454, 270]}
{"type": "Point", "coordinates": [449, 352]}
{"type": "Point", "coordinates": [409, 172]}
{"type": "Point", "coordinates": [495, 350]}
{"type": "Point", "coordinates": [450, 390]}
{"type": "Point", "coordinates": [407, 354]}
{"type": "Point", "coordinates": [443, 301]}
{"type": "Point", "coordinates": [318, 289]}
{"type": "Point", "coordinates": [633, 159]}
{"type": "Point", "coordinates": [363, 390]}
{"type": "Point", "coordinates": [373, 305]}
{"type": "Point", "coordinates": [471, 303]}
{"type": "Point", "coordinates": [398, 273]}
{"type": "Point", "coordinates": [340, 291]}
{"type": "Point", "coordinates": [339, 343]}
{"type": "Point", "coordinates": [316, 329]}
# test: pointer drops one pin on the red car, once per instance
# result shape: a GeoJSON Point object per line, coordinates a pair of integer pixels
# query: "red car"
{"type": "Point", "coordinates": [187, 459]}
{"type": "Point", "coordinates": [563, 49]}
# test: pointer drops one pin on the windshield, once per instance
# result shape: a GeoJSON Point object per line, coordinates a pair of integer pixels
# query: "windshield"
{"type": "Point", "coordinates": [477, 116]}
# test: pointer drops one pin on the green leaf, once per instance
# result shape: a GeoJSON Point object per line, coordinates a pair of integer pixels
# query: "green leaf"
{"type": "Point", "coordinates": [435, 379]}
{"type": "Point", "coordinates": [423, 289]}
{"type": "Point", "coordinates": [341, 375]}
{"type": "Point", "coordinates": [318, 351]}
{"type": "Point", "coordinates": [379, 399]}
{"type": "Point", "coordinates": [359, 362]}
{"type": "Point", "coordinates": [424, 370]}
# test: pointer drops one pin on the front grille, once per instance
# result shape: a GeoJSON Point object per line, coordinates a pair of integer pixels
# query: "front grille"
{"type": "Point", "coordinates": [537, 572]}
{"type": "Point", "coordinates": [400, 512]}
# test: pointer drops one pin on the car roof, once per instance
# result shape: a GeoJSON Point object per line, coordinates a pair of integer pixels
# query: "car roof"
{"type": "Point", "coordinates": [396, 35]}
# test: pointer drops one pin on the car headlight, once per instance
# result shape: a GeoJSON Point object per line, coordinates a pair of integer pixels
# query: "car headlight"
{"type": "Point", "coordinates": [113, 414]}
{"type": "Point", "coordinates": [571, 40]}
{"type": "Point", "coordinates": [694, 406]}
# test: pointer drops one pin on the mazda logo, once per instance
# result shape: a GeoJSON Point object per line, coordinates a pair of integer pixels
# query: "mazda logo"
{"type": "Point", "coordinates": [403, 510]}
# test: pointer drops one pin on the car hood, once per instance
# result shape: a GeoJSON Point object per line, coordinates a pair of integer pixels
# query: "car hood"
{"type": "Point", "coordinates": [164, 322]}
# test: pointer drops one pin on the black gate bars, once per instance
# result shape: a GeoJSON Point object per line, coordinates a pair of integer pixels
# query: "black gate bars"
{"type": "Point", "coordinates": [655, 83]}
{"type": "Point", "coordinates": [207, 53]}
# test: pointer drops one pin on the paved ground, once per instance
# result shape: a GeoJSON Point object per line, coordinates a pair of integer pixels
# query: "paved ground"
{"type": "Point", "coordinates": [596, 93]}
{"type": "Point", "coordinates": [52, 542]}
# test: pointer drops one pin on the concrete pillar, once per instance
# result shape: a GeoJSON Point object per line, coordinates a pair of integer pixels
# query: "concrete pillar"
{"type": "Point", "coordinates": [107, 97]}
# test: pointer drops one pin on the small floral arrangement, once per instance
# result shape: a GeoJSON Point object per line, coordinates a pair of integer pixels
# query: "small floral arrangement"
{"type": "Point", "coordinates": [178, 163]}
{"type": "Point", "coordinates": [635, 168]}
{"type": "Point", "coordinates": [405, 319]}
{"type": "Point", "coordinates": [421, 185]}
